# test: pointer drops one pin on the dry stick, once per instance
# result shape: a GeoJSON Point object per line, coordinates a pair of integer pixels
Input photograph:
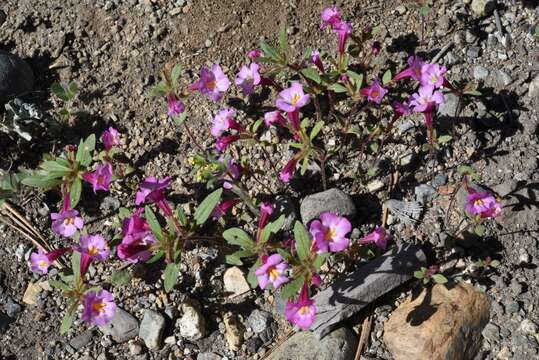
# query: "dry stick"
{"type": "Point", "coordinates": [442, 52]}
{"type": "Point", "coordinates": [364, 337]}
{"type": "Point", "coordinates": [286, 337]}
{"type": "Point", "coordinates": [23, 219]}
{"type": "Point", "coordinates": [192, 136]}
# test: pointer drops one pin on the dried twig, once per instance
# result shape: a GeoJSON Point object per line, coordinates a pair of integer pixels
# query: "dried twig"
{"type": "Point", "coordinates": [364, 336]}
{"type": "Point", "coordinates": [442, 52]}
{"type": "Point", "coordinates": [279, 343]}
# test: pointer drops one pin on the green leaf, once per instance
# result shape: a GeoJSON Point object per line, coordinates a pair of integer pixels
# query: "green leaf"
{"type": "Point", "coordinates": [256, 125]}
{"type": "Point", "coordinates": [494, 263]}
{"type": "Point", "coordinates": [439, 279]}
{"type": "Point", "coordinates": [206, 207]}
{"type": "Point", "coordinates": [120, 277]}
{"type": "Point", "coordinates": [479, 230]}
{"type": "Point", "coordinates": [419, 274]}
{"type": "Point", "coordinates": [374, 146]}
{"type": "Point", "coordinates": [72, 90]}
{"type": "Point", "coordinates": [58, 90]}
{"type": "Point", "coordinates": [466, 170]}
{"type": "Point", "coordinates": [444, 139]}
{"type": "Point", "coordinates": [251, 276]}
{"type": "Point", "coordinates": [316, 129]}
{"type": "Point", "coordinates": [424, 10]}
{"type": "Point", "coordinates": [303, 240]}
{"type": "Point", "coordinates": [154, 224]}
{"type": "Point", "coordinates": [178, 120]}
{"type": "Point", "coordinates": [269, 51]}
{"type": "Point", "coordinates": [312, 74]}
{"type": "Point", "coordinates": [386, 78]}
{"type": "Point", "coordinates": [283, 42]}
{"type": "Point", "coordinates": [236, 236]}
{"type": "Point", "coordinates": [320, 260]}
{"type": "Point", "coordinates": [123, 213]}
{"type": "Point", "coordinates": [54, 166]}
{"type": "Point", "coordinates": [171, 275]}
{"type": "Point", "coordinates": [338, 88]}
{"type": "Point", "coordinates": [372, 171]}
{"type": "Point", "coordinates": [75, 265]}
{"type": "Point", "coordinates": [272, 228]}
{"type": "Point", "coordinates": [59, 285]}
{"type": "Point", "coordinates": [285, 255]}
{"type": "Point", "coordinates": [292, 288]}
{"type": "Point", "coordinates": [67, 321]}
{"type": "Point", "coordinates": [45, 182]}
{"type": "Point", "coordinates": [175, 74]}
{"type": "Point", "coordinates": [357, 78]}
{"type": "Point", "coordinates": [235, 258]}
{"type": "Point", "coordinates": [157, 256]}
{"type": "Point", "coordinates": [158, 90]}
{"type": "Point", "coordinates": [181, 216]}
{"type": "Point", "coordinates": [84, 151]}
{"type": "Point", "coordinates": [304, 165]}
{"type": "Point", "coordinates": [74, 194]}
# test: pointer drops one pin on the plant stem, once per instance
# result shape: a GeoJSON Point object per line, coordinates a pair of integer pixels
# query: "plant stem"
{"type": "Point", "coordinates": [192, 137]}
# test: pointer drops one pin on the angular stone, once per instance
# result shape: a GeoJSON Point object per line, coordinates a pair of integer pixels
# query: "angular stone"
{"type": "Point", "coordinates": [233, 332]}
{"type": "Point", "coordinates": [81, 340]}
{"type": "Point", "coordinates": [259, 320]}
{"type": "Point", "coordinates": [16, 76]}
{"type": "Point", "coordinates": [332, 200]}
{"type": "Point", "coordinates": [449, 107]}
{"type": "Point", "coordinates": [483, 7]}
{"type": "Point", "coordinates": [533, 88]}
{"type": "Point", "coordinates": [151, 329]}
{"type": "Point", "coordinates": [192, 323]}
{"type": "Point", "coordinates": [234, 281]}
{"type": "Point", "coordinates": [442, 323]}
{"type": "Point", "coordinates": [123, 326]}
{"type": "Point", "coordinates": [340, 344]}
{"type": "Point", "coordinates": [348, 295]}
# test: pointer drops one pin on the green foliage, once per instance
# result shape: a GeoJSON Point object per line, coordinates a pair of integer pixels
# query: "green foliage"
{"type": "Point", "coordinates": [206, 207]}
{"type": "Point", "coordinates": [303, 240]}
{"type": "Point", "coordinates": [171, 275]}
{"type": "Point", "coordinates": [154, 223]}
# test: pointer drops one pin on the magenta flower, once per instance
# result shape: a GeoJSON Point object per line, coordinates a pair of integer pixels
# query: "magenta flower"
{"type": "Point", "coordinates": [223, 121]}
{"type": "Point", "coordinates": [301, 313]}
{"type": "Point", "coordinates": [331, 16]}
{"type": "Point", "coordinates": [66, 222]}
{"type": "Point", "coordinates": [288, 171]}
{"type": "Point", "coordinates": [40, 261]}
{"type": "Point", "coordinates": [376, 47]}
{"type": "Point", "coordinates": [329, 233]}
{"type": "Point", "coordinates": [135, 224]}
{"type": "Point", "coordinates": [212, 82]}
{"type": "Point", "coordinates": [483, 205]}
{"type": "Point", "coordinates": [254, 54]}
{"type": "Point", "coordinates": [317, 60]}
{"type": "Point", "coordinates": [432, 74]}
{"type": "Point", "coordinates": [99, 307]}
{"type": "Point", "coordinates": [266, 209]}
{"type": "Point", "coordinates": [272, 271]}
{"type": "Point", "coordinates": [274, 117]}
{"type": "Point", "coordinates": [401, 108]}
{"type": "Point", "coordinates": [91, 247]}
{"type": "Point", "coordinates": [175, 105]}
{"type": "Point", "coordinates": [248, 78]}
{"type": "Point", "coordinates": [221, 209]}
{"type": "Point", "coordinates": [224, 142]}
{"type": "Point", "coordinates": [414, 69]}
{"type": "Point", "coordinates": [375, 92]}
{"type": "Point", "coordinates": [110, 138]}
{"type": "Point", "coordinates": [292, 98]}
{"type": "Point", "coordinates": [151, 190]}
{"type": "Point", "coordinates": [136, 247]}
{"type": "Point", "coordinates": [426, 99]}
{"type": "Point", "coordinates": [343, 30]}
{"type": "Point", "coordinates": [379, 237]}
{"type": "Point", "coordinates": [100, 178]}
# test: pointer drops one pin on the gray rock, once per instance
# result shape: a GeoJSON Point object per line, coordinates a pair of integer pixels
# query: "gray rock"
{"type": "Point", "coordinates": [259, 320]}
{"type": "Point", "coordinates": [512, 307]}
{"type": "Point", "coordinates": [208, 356]}
{"type": "Point", "coordinates": [3, 17]}
{"type": "Point", "coordinates": [473, 52]}
{"type": "Point", "coordinates": [338, 345]}
{"type": "Point", "coordinates": [123, 326]}
{"type": "Point", "coordinates": [81, 340]}
{"type": "Point", "coordinates": [332, 200]}
{"type": "Point", "coordinates": [439, 180]}
{"type": "Point", "coordinates": [284, 205]}
{"type": "Point", "coordinates": [528, 327]}
{"type": "Point", "coordinates": [16, 76]}
{"type": "Point", "coordinates": [506, 187]}
{"type": "Point", "coordinates": [4, 322]}
{"type": "Point", "coordinates": [151, 329]}
{"type": "Point", "coordinates": [449, 107]}
{"type": "Point", "coordinates": [491, 332]}
{"type": "Point", "coordinates": [503, 78]}
{"type": "Point", "coordinates": [451, 58]}
{"type": "Point", "coordinates": [424, 193]}
{"type": "Point", "coordinates": [365, 285]}
{"type": "Point", "coordinates": [12, 308]}
{"type": "Point", "coordinates": [533, 88]}
{"type": "Point", "coordinates": [483, 7]}
{"type": "Point", "coordinates": [480, 72]}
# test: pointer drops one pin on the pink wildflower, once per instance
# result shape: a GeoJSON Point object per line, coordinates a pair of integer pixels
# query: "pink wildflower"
{"type": "Point", "coordinates": [273, 117]}
{"type": "Point", "coordinates": [414, 69]}
{"type": "Point", "coordinates": [317, 60]}
{"type": "Point", "coordinates": [483, 205]}
{"type": "Point", "coordinates": [266, 209]}
{"type": "Point", "coordinates": [99, 307]}
{"type": "Point", "coordinates": [288, 170]}
{"type": "Point", "coordinates": [401, 108]}
{"type": "Point", "coordinates": [223, 121]}
{"type": "Point", "coordinates": [224, 142]}
{"type": "Point", "coordinates": [66, 222]}
{"type": "Point", "coordinates": [375, 92]}
{"type": "Point", "coordinates": [329, 233]}
{"type": "Point", "coordinates": [331, 16]}
{"type": "Point", "coordinates": [221, 209]}
{"type": "Point", "coordinates": [91, 247]}
{"type": "Point", "coordinates": [213, 82]}
{"type": "Point", "coordinates": [426, 99]}
{"type": "Point", "coordinates": [40, 261]}
{"type": "Point", "coordinates": [175, 105]}
{"type": "Point", "coordinates": [272, 271]}
{"type": "Point", "coordinates": [100, 178]}
{"type": "Point", "coordinates": [292, 98]}
{"type": "Point", "coordinates": [254, 54]}
{"type": "Point", "coordinates": [432, 74]}
{"type": "Point", "coordinates": [152, 190]}
{"type": "Point", "coordinates": [343, 31]}
{"type": "Point", "coordinates": [136, 247]}
{"type": "Point", "coordinates": [248, 78]}
{"type": "Point", "coordinates": [301, 313]}
{"type": "Point", "coordinates": [110, 138]}
{"type": "Point", "coordinates": [379, 237]}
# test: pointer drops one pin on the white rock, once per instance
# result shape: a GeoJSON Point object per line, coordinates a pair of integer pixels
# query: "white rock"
{"type": "Point", "coordinates": [533, 89]}
{"type": "Point", "coordinates": [191, 324]}
{"type": "Point", "coordinates": [234, 281]}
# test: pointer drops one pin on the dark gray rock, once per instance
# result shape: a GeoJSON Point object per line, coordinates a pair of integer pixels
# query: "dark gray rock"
{"type": "Point", "coordinates": [16, 76]}
{"type": "Point", "coordinates": [81, 340]}
{"type": "Point", "coordinates": [12, 308]}
{"type": "Point", "coordinates": [151, 329]}
{"type": "Point", "coordinates": [491, 332]}
{"type": "Point", "coordinates": [473, 52]}
{"type": "Point", "coordinates": [340, 344]}
{"type": "Point", "coordinates": [208, 356]}
{"type": "Point", "coordinates": [284, 205]}
{"type": "Point", "coordinates": [480, 72]}
{"type": "Point", "coordinates": [123, 326]}
{"type": "Point", "coordinates": [449, 107]}
{"type": "Point", "coordinates": [3, 17]}
{"type": "Point", "coordinates": [332, 200]}
{"type": "Point", "coordinates": [348, 295]}
{"type": "Point", "coordinates": [439, 180]}
{"type": "Point", "coordinates": [259, 320]}
{"type": "Point", "coordinates": [4, 322]}
{"type": "Point", "coordinates": [424, 193]}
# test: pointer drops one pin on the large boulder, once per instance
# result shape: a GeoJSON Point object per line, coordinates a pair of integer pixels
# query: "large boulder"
{"type": "Point", "coordinates": [16, 76]}
{"type": "Point", "coordinates": [332, 200]}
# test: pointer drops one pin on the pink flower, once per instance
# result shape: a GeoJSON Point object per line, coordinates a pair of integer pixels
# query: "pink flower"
{"type": "Point", "coordinates": [110, 138]}
{"type": "Point", "coordinates": [330, 17]}
{"type": "Point", "coordinates": [379, 237]}
{"type": "Point", "coordinates": [40, 261]}
{"type": "Point", "coordinates": [329, 233]}
{"type": "Point", "coordinates": [288, 171]}
{"type": "Point", "coordinates": [99, 307]}
{"type": "Point", "coordinates": [483, 204]}
{"type": "Point", "coordinates": [212, 82]}
{"type": "Point", "coordinates": [376, 47]}
{"type": "Point", "coordinates": [274, 117]}
{"type": "Point", "coordinates": [375, 92]}
{"type": "Point", "coordinates": [432, 74]}
{"type": "Point", "coordinates": [266, 209]}
{"type": "Point", "coordinates": [426, 99]}
{"type": "Point", "coordinates": [91, 247]}
{"type": "Point", "coordinates": [175, 105]}
{"type": "Point", "coordinates": [224, 142]}
{"type": "Point", "coordinates": [272, 271]}
{"type": "Point", "coordinates": [66, 222]}
{"type": "Point", "coordinates": [136, 247]}
{"type": "Point", "coordinates": [223, 121]}
{"type": "Point", "coordinates": [401, 108]}
{"type": "Point", "coordinates": [301, 313]}
{"type": "Point", "coordinates": [414, 69]}
{"type": "Point", "coordinates": [152, 190]}
{"type": "Point", "coordinates": [254, 54]}
{"type": "Point", "coordinates": [100, 178]}
{"type": "Point", "coordinates": [221, 209]}
{"type": "Point", "coordinates": [292, 98]}
{"type": "Point", "coordinates": [317, 60]}
{"type": "Point", "coordinates": [248, 78]}
{"type": "Point", "coordinates": [135, 224]}
{"type": "Point", "coordinates": [343, 30]}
